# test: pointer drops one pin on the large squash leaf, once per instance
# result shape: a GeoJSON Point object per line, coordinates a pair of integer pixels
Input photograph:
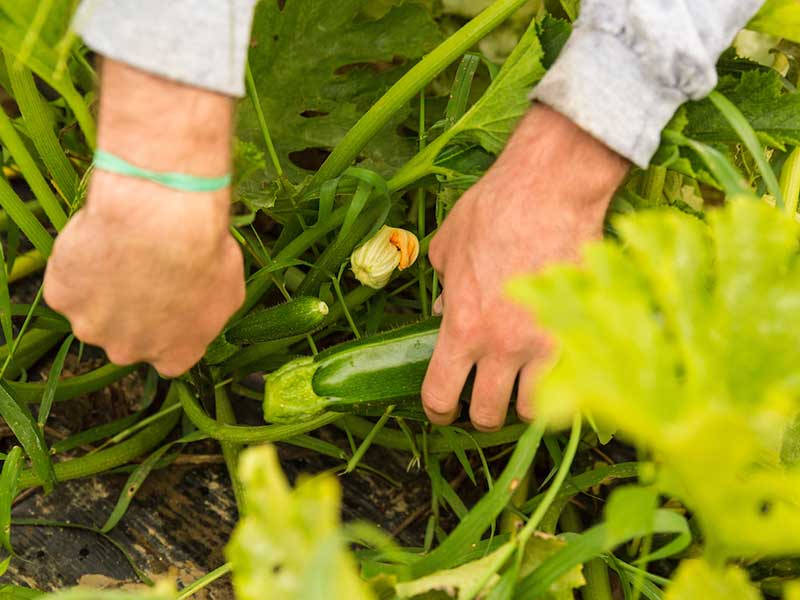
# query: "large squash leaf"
{"type": "Point", "coordinates": [686, 343]}
{"type": "Point", "coordinates": [780, 18]}
{"type": "Point", "coordinates": [773, 112]}
{"type": "Point", "coordinates": [697, 579]}
{"type": "Point", "coordinates": [288, 545]}
{"type": "Point", "coordinates": [319, 65]}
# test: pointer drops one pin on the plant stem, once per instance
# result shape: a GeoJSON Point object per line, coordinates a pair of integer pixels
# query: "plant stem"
{"type": "Point", "coordinates": [252, 93]}
{"type": "Point", "coordinates": [421, 197]}
{"type": "Point", "coordinates": [595, 571]}
{"type": "Point", "coordinates": [790, 181]}
{"type": "Point", "coordinates": [558, 481]}
{"type": "Point", "coordinates": [367, 441]}
{"type": "Point", "coordinates": [412, 82]}
{"type": "Point", "coordinates": [230, 450]}
{"type": "Point", "coordinates": [242, 434]}
{"type": "Point", "coordinates": [205, 580]}
{"type": "Point", "coordinates": [113, 457]}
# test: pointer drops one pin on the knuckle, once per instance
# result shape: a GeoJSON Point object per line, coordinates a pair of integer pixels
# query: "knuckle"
{"type": "Point", "coordinates": [484, 420]}
{"type": "Point", "coordinates": [464, 323]}
{"type": "Point", "coordinates": [121, 355]}
{"type": "Point", "coordinates": [436, 253]}
{"type": "Point", "coordinates": [434, 402]}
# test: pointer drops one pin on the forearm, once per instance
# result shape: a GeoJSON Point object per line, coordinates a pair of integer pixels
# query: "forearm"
{"type": "Point", "coordinates": [628, 66]}
{"type": "Point", "coordinates": [139, 122]}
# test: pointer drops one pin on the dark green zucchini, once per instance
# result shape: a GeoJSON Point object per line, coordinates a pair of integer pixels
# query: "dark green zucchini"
{"type": "Point", "coordinates": [362, 376]}
{"type": "Point", "coordinates": [286, 321]}
{"type": "Point", "coordinates": [295, 317]}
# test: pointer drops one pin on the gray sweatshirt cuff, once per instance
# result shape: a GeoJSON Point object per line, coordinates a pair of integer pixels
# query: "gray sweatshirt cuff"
{"type": "Point", "coordinates": [599, 84]}
{"type": "Point", "coordinates": [198, 42]}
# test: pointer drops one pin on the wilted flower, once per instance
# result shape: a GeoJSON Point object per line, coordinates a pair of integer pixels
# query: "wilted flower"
{"type": "Point", "coordinates": [390, 248]}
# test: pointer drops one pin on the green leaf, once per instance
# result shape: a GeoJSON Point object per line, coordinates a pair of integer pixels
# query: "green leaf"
{"type": "Point", "coordinates": [762, 99]}
{"type": "Point", "coordinates": [8, 490]}
{"type": "Point", "coordinates": [697, 579]}
{"type": "Point", "coordinates": [320, 65]}
{"type": "Point", "coordinates": [790, 446]}
{"type": "Point", "coordinates": [685, 341]}
{"type": "Point", "coordinates": [48, 397]}
{"type": "Point", "coordinates": [491, 119]}
{"type": "Point", "coordinates": [780, 18]}
{"type": "Point", "coordinates": [20, 420]}
{"type": "Point", "coordinates": [629, 509]}
{"type": "Point", "coordinates": [290, 538]}
{"type": "Point", "coordinates": [15, 592]}
{"type": "Point", "coordinates": [453, 582]}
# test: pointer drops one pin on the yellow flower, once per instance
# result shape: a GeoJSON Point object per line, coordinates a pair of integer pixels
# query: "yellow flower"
{"type": "Point", "coordinates": [390, 248]}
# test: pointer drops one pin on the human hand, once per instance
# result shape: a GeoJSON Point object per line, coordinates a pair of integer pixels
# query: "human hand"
{"type": "Point", "coordinates": [147, 272]}
{"type": "Point", "coordinates": [545, 196]}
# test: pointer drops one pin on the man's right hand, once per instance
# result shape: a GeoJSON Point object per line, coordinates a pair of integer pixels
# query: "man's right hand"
{"type": "Point", "coordinates": [146, 272]}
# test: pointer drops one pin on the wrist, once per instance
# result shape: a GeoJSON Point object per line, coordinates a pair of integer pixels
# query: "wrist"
{"type": "Point", "coordinates": [158, 124]}
{"type": "Point", "coordinates": [547, 145]}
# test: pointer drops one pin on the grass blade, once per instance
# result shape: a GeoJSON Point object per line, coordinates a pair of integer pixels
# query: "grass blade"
{"type": "Point", "coordinates": [20, 420]}
{"type": "Point", "coordinates": [16, 147]}
{"type": "Point", "coordinates": [5, 301]}
{"type": "Point", "coordinates": [485, 512]}
{"type": "Point", "coordinates": [745, 131]}
{"type": "Point", "coordinates": [19, 212]}
{"type": "Point", "coordinates": [8, 490]}
{"type": "Point", "coordinates": [37, 116]}
{"type": "Point", "coordinates": [52, 382]}
{"type": "Point", "coordinates": [44, 62]}
{"type": "Point", "coordinates": [462, 84]}
{"type": "Point", "coordinates": [138, 477]}
{"type": "Point", "coordinates": [728, 176]}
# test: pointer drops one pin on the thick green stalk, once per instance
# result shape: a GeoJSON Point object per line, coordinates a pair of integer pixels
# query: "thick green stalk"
{"type": "Point", "coordinates": [37, 116]}
{"type": "Point", "coordinates": [410, 84]}
{"type": "Point", "coordinates": [243, 434]}
{"type": "Point", "coordinates": [790, 181]}
{"type": "Point", "coordinates": [33, 345]}
{"type": "Point", "coordinates": [230, 450]}
{"type": "Point", "coordinates": [598, 584]}
{"type": "Point", "coordinates": [70, 387]}
{"type": "Point", "coordinates": [111, 458]}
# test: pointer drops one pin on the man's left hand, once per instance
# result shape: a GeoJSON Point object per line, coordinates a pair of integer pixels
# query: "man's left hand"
{"type": "Point", "coordinates": [545, 196]}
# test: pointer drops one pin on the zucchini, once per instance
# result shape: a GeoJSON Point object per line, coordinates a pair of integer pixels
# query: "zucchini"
{"type": "Point", "coordinates": [295, 317]}
{"type": "Point", "coordinates": [288, 321]}
{"type": "Point", "coordinates": [362, 376]}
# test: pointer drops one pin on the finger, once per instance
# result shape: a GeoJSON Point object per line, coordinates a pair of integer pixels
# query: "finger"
{"type": "Point", "coordinates": [491, 394]}
{"type": "Point", "coordinates": [447, 372]}
{"type": "Point", "coordinates": [528, 377]}
{"type": "Point", "coordinates": [178, 362]}
{"type": "Point", "coordinates": [438, 306]}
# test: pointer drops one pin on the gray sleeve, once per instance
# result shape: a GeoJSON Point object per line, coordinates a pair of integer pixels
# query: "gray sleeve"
{"type": "Point", "coordinates": [198, 42]}
{"type": "Point", "coordinates": [630, 64]}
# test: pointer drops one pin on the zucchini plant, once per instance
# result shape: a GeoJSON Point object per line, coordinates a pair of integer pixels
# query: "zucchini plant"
{"type": "Point", "coordinates": [677, 333]}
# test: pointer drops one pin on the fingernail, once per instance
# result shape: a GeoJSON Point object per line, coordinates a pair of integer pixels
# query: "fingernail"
{"type": "Point", "coordinates": [438, 306]}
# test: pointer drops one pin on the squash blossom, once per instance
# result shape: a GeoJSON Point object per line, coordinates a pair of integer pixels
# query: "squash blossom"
{"type": "Point", "coordinates": [390, 248]}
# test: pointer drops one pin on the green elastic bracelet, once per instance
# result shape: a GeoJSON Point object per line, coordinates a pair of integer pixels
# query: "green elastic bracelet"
{"type": "Point", "coordinates": [176, 181]}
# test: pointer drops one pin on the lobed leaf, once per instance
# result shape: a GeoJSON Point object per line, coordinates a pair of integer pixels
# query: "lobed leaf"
{"type": "Point", "coordinates": [685, 341]}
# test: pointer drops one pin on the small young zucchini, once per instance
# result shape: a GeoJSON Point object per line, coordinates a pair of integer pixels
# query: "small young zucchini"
{"type": "Point", "coordinates": [295, 317]}
{"type": "Point", "coordinates": [362, 376]}
{"type": "Point", "coordinates": [286, 321]}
